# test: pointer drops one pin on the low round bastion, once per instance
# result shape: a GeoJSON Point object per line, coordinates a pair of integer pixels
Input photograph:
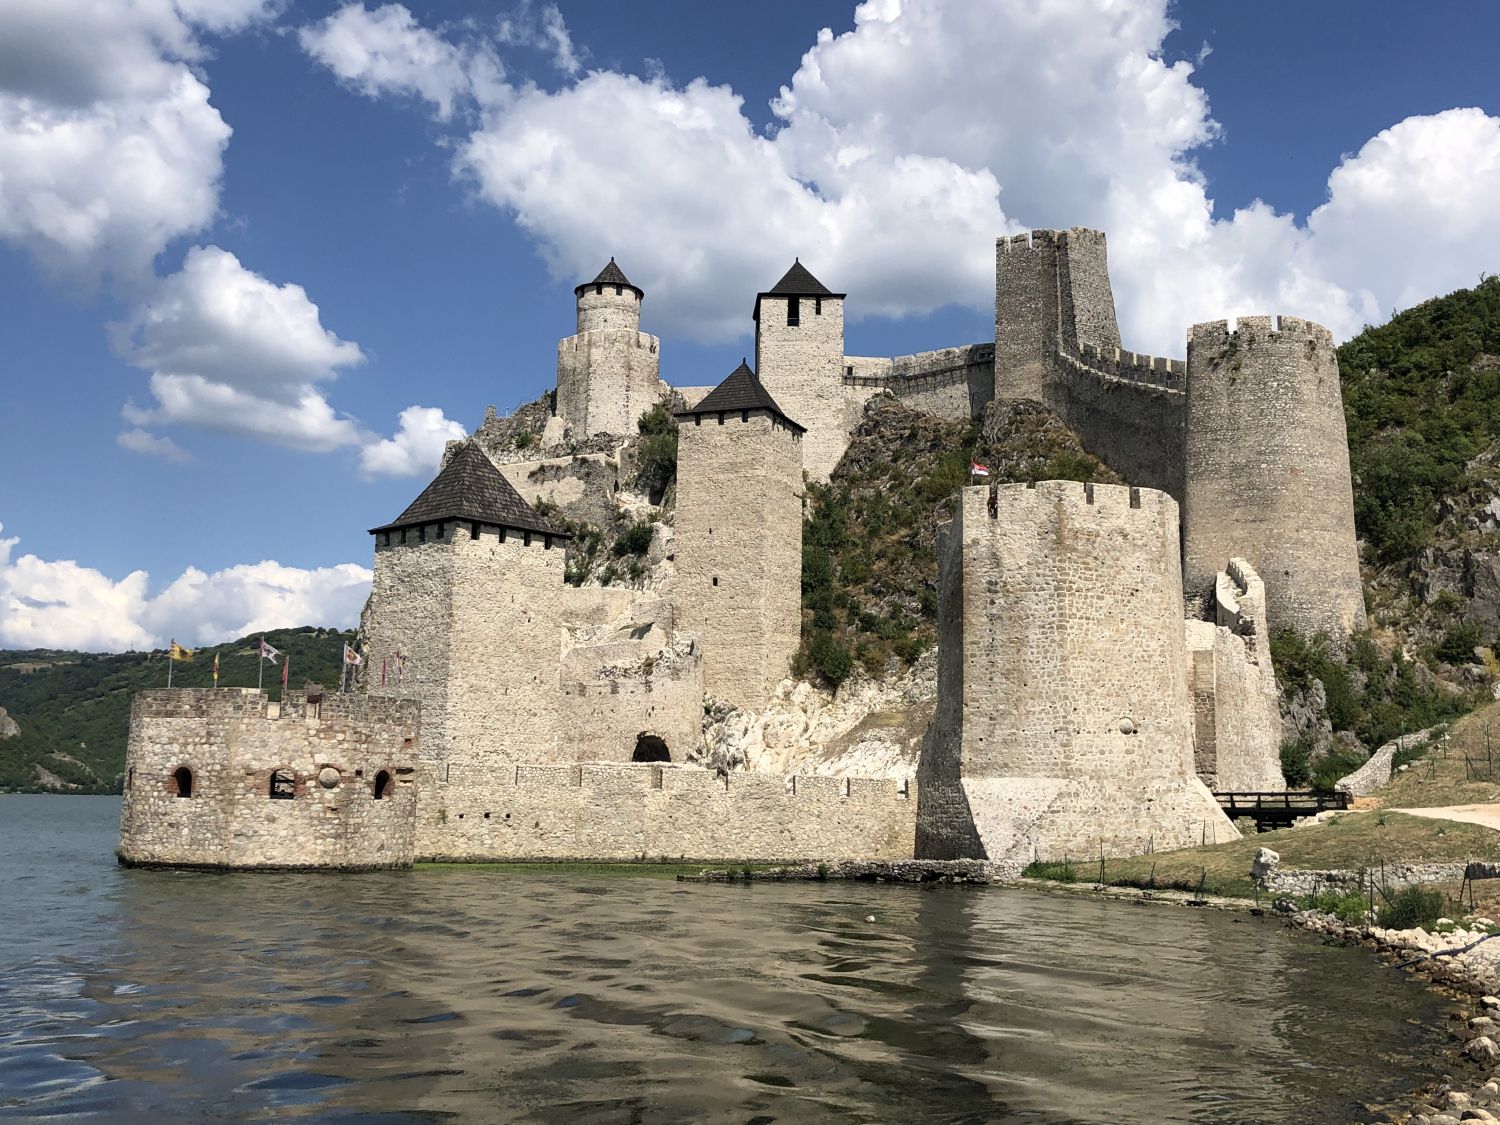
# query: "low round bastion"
{"type": "Point", "coordinates": [223, 778]}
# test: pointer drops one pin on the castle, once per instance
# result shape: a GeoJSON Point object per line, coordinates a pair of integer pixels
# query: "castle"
{"type": "Point", "coordinates": [1104, 658]}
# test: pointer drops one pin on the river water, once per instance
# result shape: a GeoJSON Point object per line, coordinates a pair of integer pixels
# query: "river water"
{"type": "Point", "coordinates": [473, 995]}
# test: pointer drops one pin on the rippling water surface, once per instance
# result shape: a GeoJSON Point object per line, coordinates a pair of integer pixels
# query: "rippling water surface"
{"type": "Point", "coordinates": [479, 996]}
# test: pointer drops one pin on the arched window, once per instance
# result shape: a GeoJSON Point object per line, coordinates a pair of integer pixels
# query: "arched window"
{"type": "Point", "coordinates": [184, 779]}
{"type": "Point", "coordinates": [382, 784]}
{"type": "Point", "coordinates": [283, 785]}
{"type": "Point", "coordinates": [650, 748]}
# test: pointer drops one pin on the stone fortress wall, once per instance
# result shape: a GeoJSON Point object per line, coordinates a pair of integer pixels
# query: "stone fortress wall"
{"type": "Point", "coordinates": [1064, 722]}
{"type": "Point", "coordinates": [609, 374]}
{"type": "Point", "coordinates": [622, 812]}
{"type": "Point", "coordinates": [199, 766]}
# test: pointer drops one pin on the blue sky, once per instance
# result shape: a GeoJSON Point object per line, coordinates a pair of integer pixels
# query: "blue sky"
{"type": "Point", "coordinates": [261, 259]}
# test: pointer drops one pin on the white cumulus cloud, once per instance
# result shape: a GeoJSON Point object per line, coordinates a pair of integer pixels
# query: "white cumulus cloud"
{"type": "Point", "coordinates": [152, 445]}
{"type": "Point", "coordinates": [63, 604]}
{"type": "Point", "coordinates": [893, 185]}
{"type": "Point", "coordinates": [416, 447]}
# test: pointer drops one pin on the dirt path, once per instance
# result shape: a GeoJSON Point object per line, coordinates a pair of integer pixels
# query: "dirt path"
{"type": "Point", "coordinates": [1486, 815]}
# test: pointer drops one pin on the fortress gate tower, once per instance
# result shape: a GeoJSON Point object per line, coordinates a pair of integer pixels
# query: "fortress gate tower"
{"type": "Point", "coordinates": [739, 537]}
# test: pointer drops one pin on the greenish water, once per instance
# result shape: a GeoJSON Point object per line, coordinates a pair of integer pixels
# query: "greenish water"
{"type": "Point", "coordinates": [577, 997]}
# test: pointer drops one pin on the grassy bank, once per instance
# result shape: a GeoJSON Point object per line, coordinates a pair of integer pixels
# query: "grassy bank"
{"type": "Point", "coordinates": [1349, 841]}
{"type": "Point", "coordinates": [1463, 769]}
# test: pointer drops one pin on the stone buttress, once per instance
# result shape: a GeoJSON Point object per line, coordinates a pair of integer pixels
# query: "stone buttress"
{"type": "Point", "coordinates": [739, 537]}
{"type": "Point", "coordinates": [1064, 723]}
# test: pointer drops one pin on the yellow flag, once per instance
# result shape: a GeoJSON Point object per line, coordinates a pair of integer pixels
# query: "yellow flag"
{"type": "Point", "coordinates": [180, 653]}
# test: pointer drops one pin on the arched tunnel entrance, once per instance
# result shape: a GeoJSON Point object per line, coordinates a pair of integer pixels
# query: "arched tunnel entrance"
{"type": "Point", "coordinates": [650, 748]}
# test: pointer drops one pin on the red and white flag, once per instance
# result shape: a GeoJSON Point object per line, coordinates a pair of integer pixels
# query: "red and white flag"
{"type": "Point", "coordinates": [267, 652]}
{"type": "Point", "coordinates": [352, 657]}
{"type": "Point", "coordinates": [286, 667]}
{"type": "Point", "coordinates": [979, 470]}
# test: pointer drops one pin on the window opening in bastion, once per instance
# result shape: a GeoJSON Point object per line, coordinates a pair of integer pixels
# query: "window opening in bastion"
{"type": "Point", "coordinates": [184, 780]}
{"type": "Point", "coordinates": [382, 785]}
{"type": "Point", "coordinates": [817, 306]}
{"type": "Point", "coordinates": [650, 748]}
{"type": "Point", "coordinates": [793, 312]}
{"type": "Point", "coordinates": [283, 785]}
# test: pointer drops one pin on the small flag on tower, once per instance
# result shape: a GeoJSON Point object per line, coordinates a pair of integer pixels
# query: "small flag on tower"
{"type": "Point", "coordinates": [216, 668]}
{"type": "Point", "coordinates": [180, 653]}
{"type": "Point", "coordinates": [979, 470]}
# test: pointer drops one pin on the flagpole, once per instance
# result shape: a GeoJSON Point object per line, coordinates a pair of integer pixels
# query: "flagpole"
{"type": "Point", "coordinates": [260, 664]}
{"type": "Point", "coordinates": [170, 661]}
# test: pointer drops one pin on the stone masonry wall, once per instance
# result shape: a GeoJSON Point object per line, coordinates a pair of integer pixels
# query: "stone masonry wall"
{"type": "Point", "coordinates": [953, 383]}
{"type": "Point", "coordinates": [333, 751]}
{"type": "Point", "coordinates": [1073, 733]}
{"type": "Point", "coordinates": [622, 812]}
{"type": "Point", "coordinates": [739, 550]}
{"type": "Point", "coordinates": [606, 379]}
{"type": "Point", "coordinates": [802, 366]}
{"type": "Point", "coordinates": [1267, 471]}
{"type": "Point", "coordinates": [605, 705]}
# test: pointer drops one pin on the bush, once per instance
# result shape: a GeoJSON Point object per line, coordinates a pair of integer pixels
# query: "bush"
{"type": "Point", "coordinates": [656, 460]}
{"type": "Point", "coordinates": [1328, 769]}
{"type": "Point", "coordinates": [525, 439]}
{"type": "Point", "coordinates": [831, 659]}
{"type": "Point", "coordinates": [634, 540]}
{"type": "Point", "coordinates": [1350, 907]}
{"type": "Point", "coordinates": [1411, 906]}
{"type": "Point", "coordinates": [1458, 644]}
{"type": "Point", "coordinates": [1296, 761]}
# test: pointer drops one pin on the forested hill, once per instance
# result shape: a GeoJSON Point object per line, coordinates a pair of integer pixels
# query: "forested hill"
{"type": "Point", "coordinates": [73, 708]}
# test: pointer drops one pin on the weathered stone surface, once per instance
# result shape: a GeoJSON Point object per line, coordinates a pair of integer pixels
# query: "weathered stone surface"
{"type": "Point", "coordinates": [1264, 864]}
{"type": "Point", "coordinates": [8, 726]}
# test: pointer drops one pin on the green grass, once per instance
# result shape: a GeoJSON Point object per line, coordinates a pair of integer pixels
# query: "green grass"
{"type": "Point", "coordinates": [1350, 841]}
{"type": "Point", "coordinates": [649, 870]}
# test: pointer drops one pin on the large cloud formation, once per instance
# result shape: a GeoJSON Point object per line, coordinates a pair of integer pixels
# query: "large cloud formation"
{"type": "Point", "coordinates": [893, 182]}
{"type": "Point", "coordinates": [60, 604]}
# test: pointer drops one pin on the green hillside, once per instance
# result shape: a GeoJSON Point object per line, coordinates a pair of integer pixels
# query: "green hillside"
{"type": "Point", "coordinates": [73, 708]}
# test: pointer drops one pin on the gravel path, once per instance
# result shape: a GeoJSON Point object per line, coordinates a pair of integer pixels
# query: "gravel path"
{"type": "Point", "coordinates": [1486, 815]}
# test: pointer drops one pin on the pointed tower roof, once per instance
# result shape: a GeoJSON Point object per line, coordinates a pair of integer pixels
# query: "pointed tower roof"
{"type": "Point", "coordinates": [797, 282]}
{"type": "Point", "coordinates": [469, 487]}
{"type": "Point", "coordinates": [742, 390]}
{"type": "Point", "coordinates": [610, 275]}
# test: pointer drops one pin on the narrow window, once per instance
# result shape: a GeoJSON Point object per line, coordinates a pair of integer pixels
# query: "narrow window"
{"type": "Point", "coordinates": [382, 785]}
{"type": "Point", "coordinates": [721, 417]}
{"type": "Point", "coordinates": [817, 306]}
{"type": "Point", "coordinates": [473, 531]}
{"type": "Point", "coordinates": [184, 779]}
{"type": "Point", "coordinates": [598, 290]}
{"type": "Point", "coordinates": [442, 527]}
{"type": "Point", "coordinates": [403, 536]}
{"type": "Point", "coordinates": [618, 291]}
{"type": "Point", "coordinates": [387, 538]}
{"type": "Point", "coordinates": [716, 580]}
{"type": "Point", "coordinates": [697, 419]}
{"type": "Point", "coordinates": [283, 785]}
{"type": "Point", "coordinates": [744, 415]}
{"type": "Point", "coordinates": [526, 539]}
{"type": "Point", "coordinates": [546, 542]}
{"type": "Point", "coordinates": [793, 311]}
{"type": "Point", "coordinates": [422, 534]}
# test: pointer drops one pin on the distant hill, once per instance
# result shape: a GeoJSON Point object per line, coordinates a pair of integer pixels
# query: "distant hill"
{"type": "Point", "coordinates": [73, 708]}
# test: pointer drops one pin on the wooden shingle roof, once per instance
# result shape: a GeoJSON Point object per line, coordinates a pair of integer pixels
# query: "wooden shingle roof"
{"type": "Point", "coordinates": [609, 275]}
{"type": "Point", "coordinates": [742, 390]}
{"type": "Point", "coordinates": [470, 488]}
{"type": "Point", "coordinates": [797, 282]}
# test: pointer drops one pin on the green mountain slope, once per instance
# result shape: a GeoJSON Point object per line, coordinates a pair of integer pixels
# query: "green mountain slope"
{"type": "Point", "coordinates": [73, 708]}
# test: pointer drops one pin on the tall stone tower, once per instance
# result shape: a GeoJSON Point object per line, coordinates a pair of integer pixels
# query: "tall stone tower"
{"type": "Point", "coordinates": [608, 374]}
{"type": "Point", "coordinates": [464, 616]}
{"type": "Point", "coordinates": [1064, 721]}
{"type": "Point", "coordinates": [1052, 289]}
{"type": "Point", "coordinates": [739, 537]}
{"type": "Point", "coordinates": [799, 357]}
{"type": "Point", "coordinates": [1267, 471]}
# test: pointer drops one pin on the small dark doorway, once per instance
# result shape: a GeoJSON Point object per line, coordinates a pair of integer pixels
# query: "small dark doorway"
{"type": "Point", "coordinates": [382, 785]}
{"type": "Point", "coordinates": [184, 779]}
{"type": "Point", "coordinates": [283, 785]}
{"type": "Point", "coordinates": [650, 748]}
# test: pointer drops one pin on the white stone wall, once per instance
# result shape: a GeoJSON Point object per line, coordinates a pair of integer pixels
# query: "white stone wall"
{"type": "Point", "coordinates": [623, 812]}
{"type": "Point", "coordinates": [1064, 718]}
{"type": "Point", "coordinates": [739, 550]}
{"type": "Point", "coordinates": [606, 379]}
{"type": "Point", "coordinates": [333, 751]}
{"type": "Point", "coordinates": [802, 367]}
{"type": "Point", "coordinates": [608, 308]}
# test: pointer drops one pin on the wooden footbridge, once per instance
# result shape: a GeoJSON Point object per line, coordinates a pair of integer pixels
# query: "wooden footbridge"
{"type": "Point", "coordinates": [1279, 809]}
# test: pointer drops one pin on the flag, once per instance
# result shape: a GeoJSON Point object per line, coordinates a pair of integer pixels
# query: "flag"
{"type": "Point", "coordinates": [400, 667]}
{"type": "Point", "coordinates": [267, 652]}
{"type": "Point", "coordinates": [979, 470]}
{"type": "Point", "coordinates": [177, 652]}
{"type": "Point", "coordinates": [216, 668]}
{"type": "Point", "coordinates": [352, 657]}
{"type": "Point", "coordinates": [286, 666]}
{"type": "Point", "coordinates": [382, 672]}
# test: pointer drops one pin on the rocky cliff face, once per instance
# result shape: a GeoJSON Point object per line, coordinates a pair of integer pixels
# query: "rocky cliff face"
{"type": "Point", "coordinates": [8, 726]}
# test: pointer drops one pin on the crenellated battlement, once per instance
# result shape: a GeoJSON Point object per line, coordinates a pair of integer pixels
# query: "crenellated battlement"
{"type": "Point", "coordinates": [247, 704]}
{"type": "Point", "coordinates": [585, 343]}
{"type": "Point", "coordinates": [1030, 500]}
{"type": "Point", "coordinates": [1250, 331]}
{"type": "Point", "coordinates": [1136, 368]}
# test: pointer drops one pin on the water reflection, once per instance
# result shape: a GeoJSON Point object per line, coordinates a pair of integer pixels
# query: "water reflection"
{"type": "Point", "coordinates": [134, 995]}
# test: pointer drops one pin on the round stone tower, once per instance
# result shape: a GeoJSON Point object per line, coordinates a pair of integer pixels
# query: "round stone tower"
{"type": "Point", "coordinates": [608, 374]}
{"type": "Point", "coordinates": [1267, 471]}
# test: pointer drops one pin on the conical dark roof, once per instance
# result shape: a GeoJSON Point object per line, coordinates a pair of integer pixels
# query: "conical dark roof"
{"type": "Point", "coordinates": [796, 282]}
{"type": "Point", "coordinates": [610, 275]}
{"type": "Point", "coordinates": [742, 390]}
{"type": "Point", "coordinates": [469, 487]}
